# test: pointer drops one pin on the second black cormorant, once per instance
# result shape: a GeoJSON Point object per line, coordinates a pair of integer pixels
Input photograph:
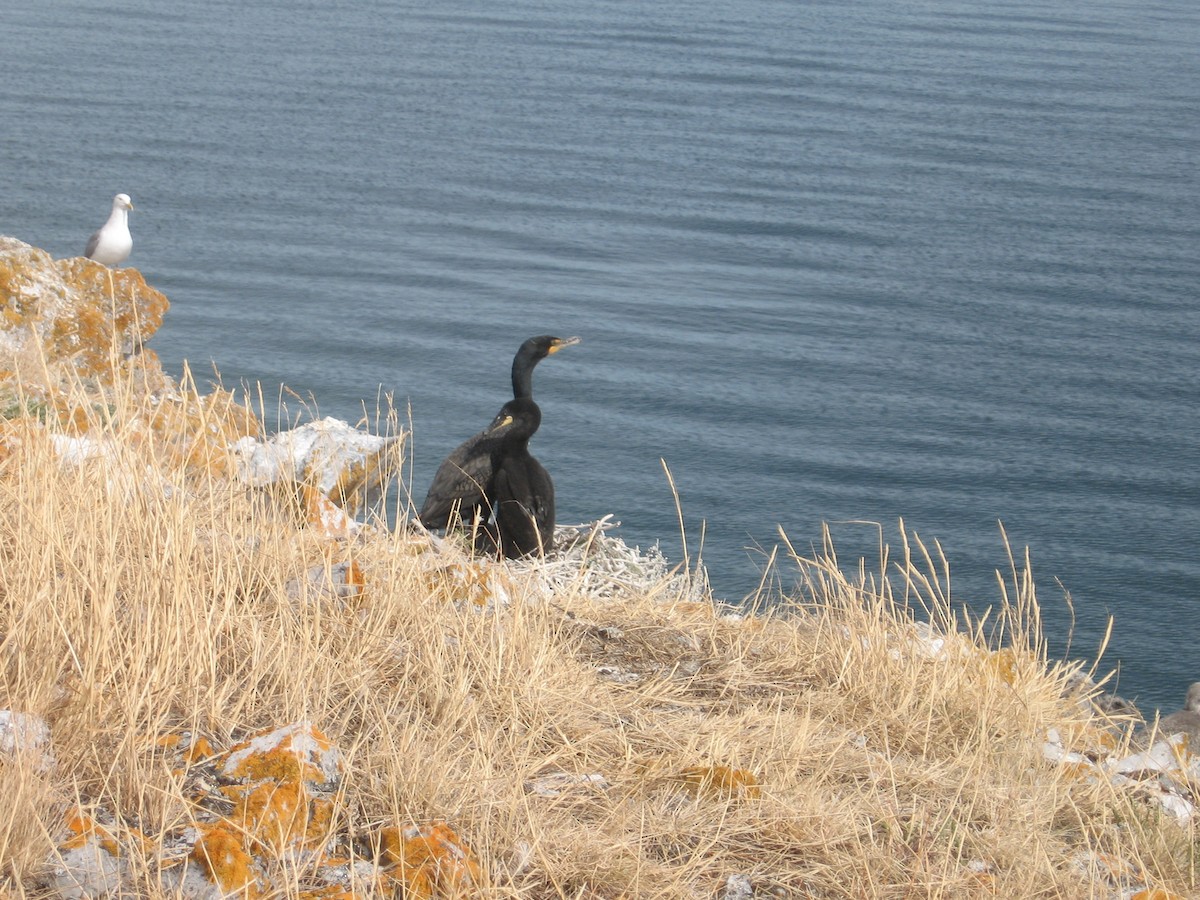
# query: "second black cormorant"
{"type": "Point", "coordinates": [464, 490]}
{"type": "Point", "coordinates": [524, 491]}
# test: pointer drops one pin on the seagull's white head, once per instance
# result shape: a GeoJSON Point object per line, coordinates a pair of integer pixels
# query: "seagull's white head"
{"type": "Point", "coordinates": [122, 201]}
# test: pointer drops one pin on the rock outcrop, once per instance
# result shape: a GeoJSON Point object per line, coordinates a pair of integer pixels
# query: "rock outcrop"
{"type": "Point", "coordinates": [73, 318]}
{"type": "Point", "coordinates": [71, 329]}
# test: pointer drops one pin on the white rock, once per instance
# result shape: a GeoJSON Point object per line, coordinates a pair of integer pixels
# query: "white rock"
{"type": "Point", "coordinates": [318, 452]}
{"type": "Point", "coordinates": [78, 449]}
{"type": "Point", "coordinates": [1168, 756]}
{"type": "Point", "coordinates": [738, 887]}
{"type": "Point", "coordinates": [89, 871]}
{"type": "Point", "coordinates": [1181, 808]}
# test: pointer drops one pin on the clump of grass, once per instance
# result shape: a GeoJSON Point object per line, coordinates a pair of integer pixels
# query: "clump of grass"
{"type": "Point", "coordinates": [13, 406]}
{"type": "Point", "coordinates": [858, 753]}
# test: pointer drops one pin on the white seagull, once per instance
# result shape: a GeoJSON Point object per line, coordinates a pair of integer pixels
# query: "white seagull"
{"type": "Point", "coordinates": [112, 243]}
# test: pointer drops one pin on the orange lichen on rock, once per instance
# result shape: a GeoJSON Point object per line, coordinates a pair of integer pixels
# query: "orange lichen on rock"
{"type": "Point", "coordinates": [187, 749]}
{"type": "Point", "coordinates": [281, 814]}
{"type": "Point", "coordinates": [272, 813]}
{"type": "Point", "coordinates": [293, 751]}
{"type": "Point", "coordinates": [92, 861]}
{"type": "Point", "coordinates": [126, 317]}
{"type": "Point", "coordinates": [1078, 771]}
{"type": "Point", "coordinates": [200, 749]}
{"type": "Point", "coordinates": [355, 580]}
{"type": "Point", "coordinates": [191, 748]}
{"type": "Point", "coordinates": [324, 516]}
{"type": "Point", "coordinates": [1114, 868]}
{"type": "Point", "coordinates": [197, 431]}
{"type": "Point", "coordinates": [69, 331]}
{"type": "Point", "coordinates": [219, 854]}
{"type": "Point", "coordinates": [428, 861]}
{"type": "Point", "coordinates": [985, 880]}
{"type": "Point", "coordinates": [478, 582]}
{"type": "Point", "coordinates": [79, 315]}
{"type": "Point", "coordinates": [82, 828]}
{"type": "Point", "coordinates": [282, 787]}
{"type": "Point", "coordinates": [358, 478]}
{"type": "Point", "coordinates": [344, 578]}
{"type": "Point", "coordinates": [1099, 740]}
{"type": "Point", "coordinates": [719, 781]}
{"type": "Point", "coordinates": [1003, 663]}
{"type": "Point", "coordinates": [332, 892]}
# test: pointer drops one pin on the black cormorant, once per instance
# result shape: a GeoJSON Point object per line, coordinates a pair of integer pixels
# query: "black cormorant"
{"type": "Point", "coordinates": [524, 491]}
{"type": "Point", "coordinates": [462, 491]}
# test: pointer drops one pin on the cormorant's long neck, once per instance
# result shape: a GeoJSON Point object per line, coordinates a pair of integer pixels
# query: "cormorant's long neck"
{"type": "Point", "coordinates": [522, 374]}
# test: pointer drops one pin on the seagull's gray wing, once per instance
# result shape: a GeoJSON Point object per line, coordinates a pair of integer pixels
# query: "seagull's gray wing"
{"type": "Point", "coordinates": [93, 241]}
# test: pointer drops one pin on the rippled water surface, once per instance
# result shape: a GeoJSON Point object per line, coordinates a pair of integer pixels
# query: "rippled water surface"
{"type": "Point", "coordinates": [831, 261]}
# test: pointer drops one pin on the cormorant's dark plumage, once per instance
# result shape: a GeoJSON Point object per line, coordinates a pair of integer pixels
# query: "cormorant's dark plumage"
{"type": "Point", "coordinates": [524, 497]}
{"type": "Point", "coordinates": [463, 490]}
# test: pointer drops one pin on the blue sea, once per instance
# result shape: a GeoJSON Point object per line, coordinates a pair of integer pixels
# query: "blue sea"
{"type": "Point", "coordinates": [831, 262]}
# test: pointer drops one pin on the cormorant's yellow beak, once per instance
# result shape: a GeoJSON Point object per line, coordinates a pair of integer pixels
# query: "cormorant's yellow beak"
{"type": "Point", "coordinates": [563, 342]}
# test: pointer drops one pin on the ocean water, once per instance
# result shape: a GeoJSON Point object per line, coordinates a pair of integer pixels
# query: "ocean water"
{"type": "Point", "coordinates": [831, 262]}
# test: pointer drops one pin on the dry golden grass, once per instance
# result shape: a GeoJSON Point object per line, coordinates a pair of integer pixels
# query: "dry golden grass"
{"type": "Point", "coordinates": [820, 747]}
